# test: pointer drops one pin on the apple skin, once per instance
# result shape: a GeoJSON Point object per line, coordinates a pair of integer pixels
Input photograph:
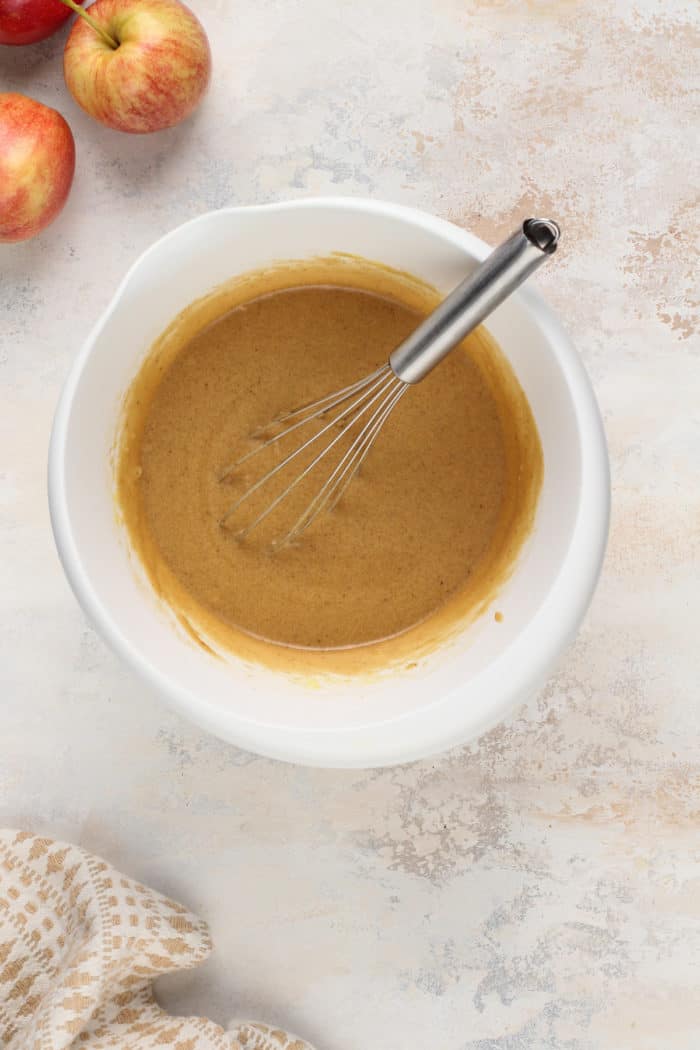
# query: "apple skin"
{"type": "Point", "coordinates": [26, 21]}
{"type": "Point", "coordinates": [155, 77]}
{"type": "Point", "coordinates": [37, 162]}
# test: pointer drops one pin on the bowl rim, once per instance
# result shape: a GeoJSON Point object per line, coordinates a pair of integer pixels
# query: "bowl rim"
{"type": "Point", "coordinates": [358, 745]}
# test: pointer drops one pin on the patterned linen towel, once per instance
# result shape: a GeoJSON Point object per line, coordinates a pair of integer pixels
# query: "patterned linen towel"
{"type": "Point", "coordinates": [80, 945]}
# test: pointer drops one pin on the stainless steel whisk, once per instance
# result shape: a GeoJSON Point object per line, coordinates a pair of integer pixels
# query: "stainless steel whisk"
{"type": "Point", "coordinates": [364, 407]}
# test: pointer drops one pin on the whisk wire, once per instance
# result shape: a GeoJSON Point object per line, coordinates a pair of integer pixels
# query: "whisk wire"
{"type": "Point", "coordinates": [377, 390]}
{"type": "Point", "coordinates": [356, 404]}
{"type": "Point", "coordinates": [320, 407]}
{"type": "Point", "coordinates": [330, 401]}
{"type": "Point", "coordinates": [363, 451]}
{"type": "Point", "coordinates": [330, 494]}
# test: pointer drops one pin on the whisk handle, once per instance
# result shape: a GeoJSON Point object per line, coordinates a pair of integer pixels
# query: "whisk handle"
{"type": "Point", "coordinates": [475, 298]}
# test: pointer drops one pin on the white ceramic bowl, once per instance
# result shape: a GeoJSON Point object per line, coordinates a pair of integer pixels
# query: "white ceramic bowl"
{"type": "Point", "coordinates": [460, 690]}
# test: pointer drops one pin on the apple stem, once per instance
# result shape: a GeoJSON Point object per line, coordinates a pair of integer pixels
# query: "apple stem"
{"type": "Point", "coordinates": [108, 39]}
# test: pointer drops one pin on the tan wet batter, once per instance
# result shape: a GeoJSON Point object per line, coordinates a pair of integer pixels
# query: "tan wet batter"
{"type": "Point", "coordinates": [434, 520]}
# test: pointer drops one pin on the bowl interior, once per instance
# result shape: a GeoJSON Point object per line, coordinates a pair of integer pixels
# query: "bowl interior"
{"type": "Point", "coordinates": [450, 695]}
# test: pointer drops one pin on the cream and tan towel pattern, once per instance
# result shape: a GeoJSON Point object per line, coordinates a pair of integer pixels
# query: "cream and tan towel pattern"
{"type": "Point", "coordinates": [80, 945]}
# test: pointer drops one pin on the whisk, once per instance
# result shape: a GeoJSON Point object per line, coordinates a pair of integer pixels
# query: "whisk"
{"type": "Point", "coordinates": [357, 413]}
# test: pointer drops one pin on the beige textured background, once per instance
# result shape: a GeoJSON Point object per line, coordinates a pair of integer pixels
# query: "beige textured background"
{"type": "Point", "coordinates": [543, 889]}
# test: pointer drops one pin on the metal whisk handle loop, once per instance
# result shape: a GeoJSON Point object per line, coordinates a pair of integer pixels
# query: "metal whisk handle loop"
{"type": "Point", "coordinates": [475, 298]}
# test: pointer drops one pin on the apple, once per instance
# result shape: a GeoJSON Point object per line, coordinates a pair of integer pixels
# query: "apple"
{"type": "Point", "coordinates": [37, 161]}
{"type": "Point", "coordinates": [26, 21]}
{"type": "Point", "coordinates": [137, 65]}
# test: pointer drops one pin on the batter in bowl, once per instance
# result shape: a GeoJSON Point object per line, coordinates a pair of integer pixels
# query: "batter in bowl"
{"type": "Point", "coordinates": [424, 535]}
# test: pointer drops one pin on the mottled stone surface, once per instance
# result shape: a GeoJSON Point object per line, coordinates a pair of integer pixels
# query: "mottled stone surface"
{"type": "Point", "coordinates": [541, 890]}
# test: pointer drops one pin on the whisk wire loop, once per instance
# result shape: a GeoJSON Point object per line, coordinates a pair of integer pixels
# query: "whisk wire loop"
{"type": "Point", "coordinates": [320, 408]}
{"type": "Point", "coordinates": [331, 492]}
{"type": "Point", "coordinates": [370, 393]}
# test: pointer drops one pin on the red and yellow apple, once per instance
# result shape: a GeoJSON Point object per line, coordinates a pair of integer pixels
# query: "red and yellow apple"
{"type": "Point", "coordinates": [37, 161]}
{"type": "Point", "coordinates": [26, 21]}
{"type": "Point", "coordinates": [137, 65]}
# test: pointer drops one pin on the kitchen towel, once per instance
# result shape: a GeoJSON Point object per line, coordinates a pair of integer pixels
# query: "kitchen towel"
{"type": "Point", "coordinates": [80, 945]}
